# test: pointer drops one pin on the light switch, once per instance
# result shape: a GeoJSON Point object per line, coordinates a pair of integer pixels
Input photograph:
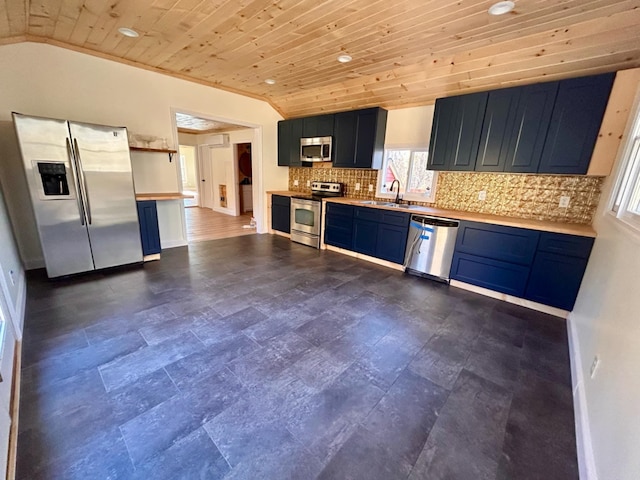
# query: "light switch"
{"type": "Point", "coordinates": [357, 186]}
{"type": "Point", "coordinates": [370, 187]}
{"type": "Point", "coordinates": [295, 182]}
{"type": "Point", "coordinates": [308, 183]}
{"type": "Point", "coordinates": [564, 202]}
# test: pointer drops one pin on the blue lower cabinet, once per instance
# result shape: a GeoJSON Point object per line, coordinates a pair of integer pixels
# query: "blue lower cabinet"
{"type": "Point", "coordinates": [149, 230]}
{"type": "Point", "coordinates": [281, 213]}
{"type": "Point", "coordinates": [505, 277]}
{"type": "Point", "coordinates": [392, 242]}
{"type": "Point", "coordinates": [365, 236]}
{"type": "Point", "coordinates": [338, 226]}
{"type": "Point", "coordinates": [555, 279]}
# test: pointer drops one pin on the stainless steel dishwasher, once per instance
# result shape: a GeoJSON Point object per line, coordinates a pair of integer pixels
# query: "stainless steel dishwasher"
{"type": "Point", "coordinates": [430, 246]}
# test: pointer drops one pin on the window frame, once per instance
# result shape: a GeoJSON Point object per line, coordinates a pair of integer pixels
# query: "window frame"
{"type": "Point", "coordinates": [409, 197]}
{"type": "Point", "coordinates": [627, 178]}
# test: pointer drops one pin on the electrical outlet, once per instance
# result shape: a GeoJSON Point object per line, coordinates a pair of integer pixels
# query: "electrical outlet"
{"type": "Point", "coordinates": [357, 186]}
{"type": "Point", "coordinates": [482, 195]}
{"type": "Point", "coordinates": [295, 182]}
{"type": "Point", "coordinates": [370, 187]}
{"type": "Point", "coordinates": [594, 366]}
{"type": "Point", "coordinates": [564, 202]}
{"type": "Point", "coordinates": [308, 183]}
{"type": "Point", "coordinates": [12, 277]}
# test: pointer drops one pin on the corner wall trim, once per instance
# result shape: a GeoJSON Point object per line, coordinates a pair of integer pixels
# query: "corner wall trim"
{"type": "Point", "coordinates": [586, 460]}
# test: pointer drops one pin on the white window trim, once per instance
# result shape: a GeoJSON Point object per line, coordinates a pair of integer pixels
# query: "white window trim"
{"type": "Point", "coordinates": [630, 221]}
{"type": "Point", "coordinates": [409, 197]}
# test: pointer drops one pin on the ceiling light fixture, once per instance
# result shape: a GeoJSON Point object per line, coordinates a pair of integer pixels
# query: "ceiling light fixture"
{"type": "Point", "coordinates": [501, 8]}
{"type": "Point", "coordinates": [128, 32]}
{"type": "Point", "coordinates": [270, 81]}
{"type": "Point", "coordinates": [344, 58]}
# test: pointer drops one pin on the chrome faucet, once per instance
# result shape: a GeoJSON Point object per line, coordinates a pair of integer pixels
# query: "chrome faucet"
{"type": "Point", "coordinates": [397, 200]}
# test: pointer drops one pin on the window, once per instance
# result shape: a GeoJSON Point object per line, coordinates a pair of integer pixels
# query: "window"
{"type": "Point", "coordinates": [409, 167]}
{"type": "Point", "coordinates": [626, 204]}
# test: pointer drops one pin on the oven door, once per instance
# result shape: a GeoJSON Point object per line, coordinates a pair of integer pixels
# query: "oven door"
{"type": "Point", "coordinates": [305, 216]}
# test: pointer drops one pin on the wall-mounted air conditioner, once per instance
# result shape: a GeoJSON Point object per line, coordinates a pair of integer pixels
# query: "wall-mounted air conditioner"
{"type": "Point", "coordinates": [220, 140]}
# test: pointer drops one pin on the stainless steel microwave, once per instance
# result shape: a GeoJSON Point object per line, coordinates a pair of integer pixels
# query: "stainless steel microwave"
{"type": "Point", "coordinates": [316, 149]}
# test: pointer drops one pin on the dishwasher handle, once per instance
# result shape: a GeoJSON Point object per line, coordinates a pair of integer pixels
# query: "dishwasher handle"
{"type": "Point", "coordinates": [436, 221]}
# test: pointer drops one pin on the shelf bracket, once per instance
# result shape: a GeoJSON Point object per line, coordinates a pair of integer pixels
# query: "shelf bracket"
{"type": "Point", "coordinates": [170, 156]}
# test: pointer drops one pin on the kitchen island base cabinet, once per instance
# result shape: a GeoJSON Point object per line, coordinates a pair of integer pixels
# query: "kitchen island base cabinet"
{"type": "Point", "coordinates": [281, 213]}
{"type": "Point", "coordinates": [149, 228]}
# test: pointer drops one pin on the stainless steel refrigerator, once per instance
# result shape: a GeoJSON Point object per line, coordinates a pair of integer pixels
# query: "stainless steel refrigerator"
{"type": "Point", "coordinates": [81, 189]}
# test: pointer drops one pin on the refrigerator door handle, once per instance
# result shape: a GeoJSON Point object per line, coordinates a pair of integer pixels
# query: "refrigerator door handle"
{"type": "Point", "coordinates": [85, 191]}
{"type": "Point", "coordinates": [77, 182]}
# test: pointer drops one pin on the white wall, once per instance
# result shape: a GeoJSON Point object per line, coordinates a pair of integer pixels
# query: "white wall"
{"type": "Point", "coordinates": [12, 278]}
{"type": "Point", "coordinates": [606, 322]}
{"type": "Point", "coordinates": [409, 126]}
{"type": "Point", "coordinates": [39, 79]}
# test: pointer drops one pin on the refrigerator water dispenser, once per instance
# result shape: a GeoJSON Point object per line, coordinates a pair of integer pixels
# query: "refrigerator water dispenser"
{"type": "Point", "coordinates": [54, 179]}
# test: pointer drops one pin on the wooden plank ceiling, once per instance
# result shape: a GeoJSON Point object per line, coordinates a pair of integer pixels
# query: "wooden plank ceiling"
{"type": "Point", "coordinates": [405, 52]}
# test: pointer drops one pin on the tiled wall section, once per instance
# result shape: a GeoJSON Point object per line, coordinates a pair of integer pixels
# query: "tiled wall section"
{"type": "Point", "coordinates": [520, 196]}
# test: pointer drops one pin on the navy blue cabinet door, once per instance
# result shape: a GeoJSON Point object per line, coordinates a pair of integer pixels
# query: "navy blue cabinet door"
{"type": "Point", "coordinates": [281, 213]}
{"type": "Point", "coordinates": [317, 126]}
{"type": "Point", "coordinates": [575, 123]}
{"type": "Point", "coordinates": [555, 280]}
{"type": "Point", "coordinates": [344, 139]}
{"type": "Point", "coordinates": [392, 242]}
{"type": "Point", "coordinates": [149, 231]}
{"type": "Point", "coordinates": [289, 134]}
{"type": "Point", "coordinates": [365, 236]}
{"type": "Point", "coordinates": [440, 131]}
{"type": "Point", "coordinates": [338, 227]}
{"type": "Point", "coordinates": [496, 275]}
{"type": "Point", "coordinates": [358, 140]}
{"type": "Point", "coordinates": [496, 129]}
{"type": "Point", "coordinates": [529, 127]}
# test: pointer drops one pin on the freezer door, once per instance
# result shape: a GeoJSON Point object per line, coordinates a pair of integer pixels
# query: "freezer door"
{"type": "Point", "coordinates": [45, 145]}
{"type": "Point", "coordinates": [107, 182]}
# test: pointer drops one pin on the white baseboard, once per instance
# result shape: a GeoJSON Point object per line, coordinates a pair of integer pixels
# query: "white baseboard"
{"type": "Point", "coordinates": [173, 243]}
{"type": "Point", "coordinates": [586, 460]}
{"type": "Point", "coordinates": [21, 305]}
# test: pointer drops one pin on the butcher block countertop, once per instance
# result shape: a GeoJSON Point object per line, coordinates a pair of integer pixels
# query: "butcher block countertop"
{"type": "Point", "coordinates": [162, 196]}
{"type": "Point", "coordinates": [542, 225]}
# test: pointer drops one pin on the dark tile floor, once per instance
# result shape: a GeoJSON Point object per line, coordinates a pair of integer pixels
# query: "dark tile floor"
{"type": "Point", "coordinates": [257, 358]}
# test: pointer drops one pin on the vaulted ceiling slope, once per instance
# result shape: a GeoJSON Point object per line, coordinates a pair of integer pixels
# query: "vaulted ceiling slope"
{"type": "Point", "coordinates": [405, 52]}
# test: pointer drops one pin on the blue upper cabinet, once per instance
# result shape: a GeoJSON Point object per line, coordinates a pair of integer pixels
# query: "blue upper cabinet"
{"type": "Point", "coordinates": [317, 126]}
{"type": "Point", "coordinates": [542, 128]}
{"type": "Point", "coordinates": [455, 135]}
{"type": "Point", "coordinates": [289, 134]}
{"type": "Point", "coordinates": [358, 140]}
{"type": "Point", "coordinates": [515, 128]}
{"type": "Point", "coordinates": [575, 123]}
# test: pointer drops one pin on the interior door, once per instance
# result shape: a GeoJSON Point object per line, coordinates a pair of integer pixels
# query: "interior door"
{"type": "Point", "coordinates": [107, 181]}
{"type": "Point", "coordinates": [206, 179]}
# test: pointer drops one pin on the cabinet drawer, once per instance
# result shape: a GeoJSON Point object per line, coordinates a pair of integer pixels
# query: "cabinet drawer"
{"type": "Point", "coordinates": [571, 245]}
{"type": "Point", "coordinates": [369, 214]}
{"type": "Point", "coordinates": [495, 275]}
{"type": "Point", "coordinates": [338, 221]}
{"type": "Point", "coordinates": [339, 209]}
{"type": "Point", "coordinates": [509, 244]}
{"type": "Point", "coordinates": [280, 200]}
{"type": "Point", "coordinates": [396, 218]}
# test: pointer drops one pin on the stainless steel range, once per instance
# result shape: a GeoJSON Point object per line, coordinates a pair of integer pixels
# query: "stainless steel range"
{"type": "Point", "coordinates": [306, 212]}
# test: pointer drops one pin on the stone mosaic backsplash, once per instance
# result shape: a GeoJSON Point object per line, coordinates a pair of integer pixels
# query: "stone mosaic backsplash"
{"type": "Point", "coordinates": [511, 195]}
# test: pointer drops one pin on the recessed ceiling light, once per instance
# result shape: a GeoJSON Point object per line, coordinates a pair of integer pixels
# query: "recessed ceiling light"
{"type": "Point", "coordinates": [344, 58]}
{"type": "Point", "coordinates": [270, 81]}
{"type": "Point", "coordinates": [128, 32]}
{"type": "Point", "coordinates": [501, 8]}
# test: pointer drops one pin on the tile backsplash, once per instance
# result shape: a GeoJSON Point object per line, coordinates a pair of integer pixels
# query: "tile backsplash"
{"type": "Point", "coordinates": [511, 195]}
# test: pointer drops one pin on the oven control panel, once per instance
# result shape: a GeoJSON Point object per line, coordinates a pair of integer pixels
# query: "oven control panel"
{"type": "Point", "coordinates": [330, 187]}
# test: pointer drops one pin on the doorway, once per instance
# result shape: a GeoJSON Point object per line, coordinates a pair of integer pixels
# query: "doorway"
{"type": "Point", "coordinates": [189, 174]}
{"type": "Point", "coordinates": [216, 167]}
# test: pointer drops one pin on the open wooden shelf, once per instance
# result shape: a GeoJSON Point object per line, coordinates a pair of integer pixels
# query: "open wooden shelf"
{"type": "Point", "coordinates": [154, 150]}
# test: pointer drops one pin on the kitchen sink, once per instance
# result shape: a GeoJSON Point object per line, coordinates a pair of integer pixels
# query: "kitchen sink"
{"type": "Point", "coordinates": [375, 202]}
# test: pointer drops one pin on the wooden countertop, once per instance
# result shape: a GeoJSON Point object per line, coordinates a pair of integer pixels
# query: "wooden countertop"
{"type": "Point", "coordinates": [162, 196]}
{"type": "Point", "coordinates": [542, 225]}
{"type": "Point", "coordinates": [284, 193]}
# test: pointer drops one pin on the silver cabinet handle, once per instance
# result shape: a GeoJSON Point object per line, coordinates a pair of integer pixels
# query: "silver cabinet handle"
{"type": "Point", "coordinates": [84, 181]}
{"type": "Point", "coordinates": [77, 182]}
